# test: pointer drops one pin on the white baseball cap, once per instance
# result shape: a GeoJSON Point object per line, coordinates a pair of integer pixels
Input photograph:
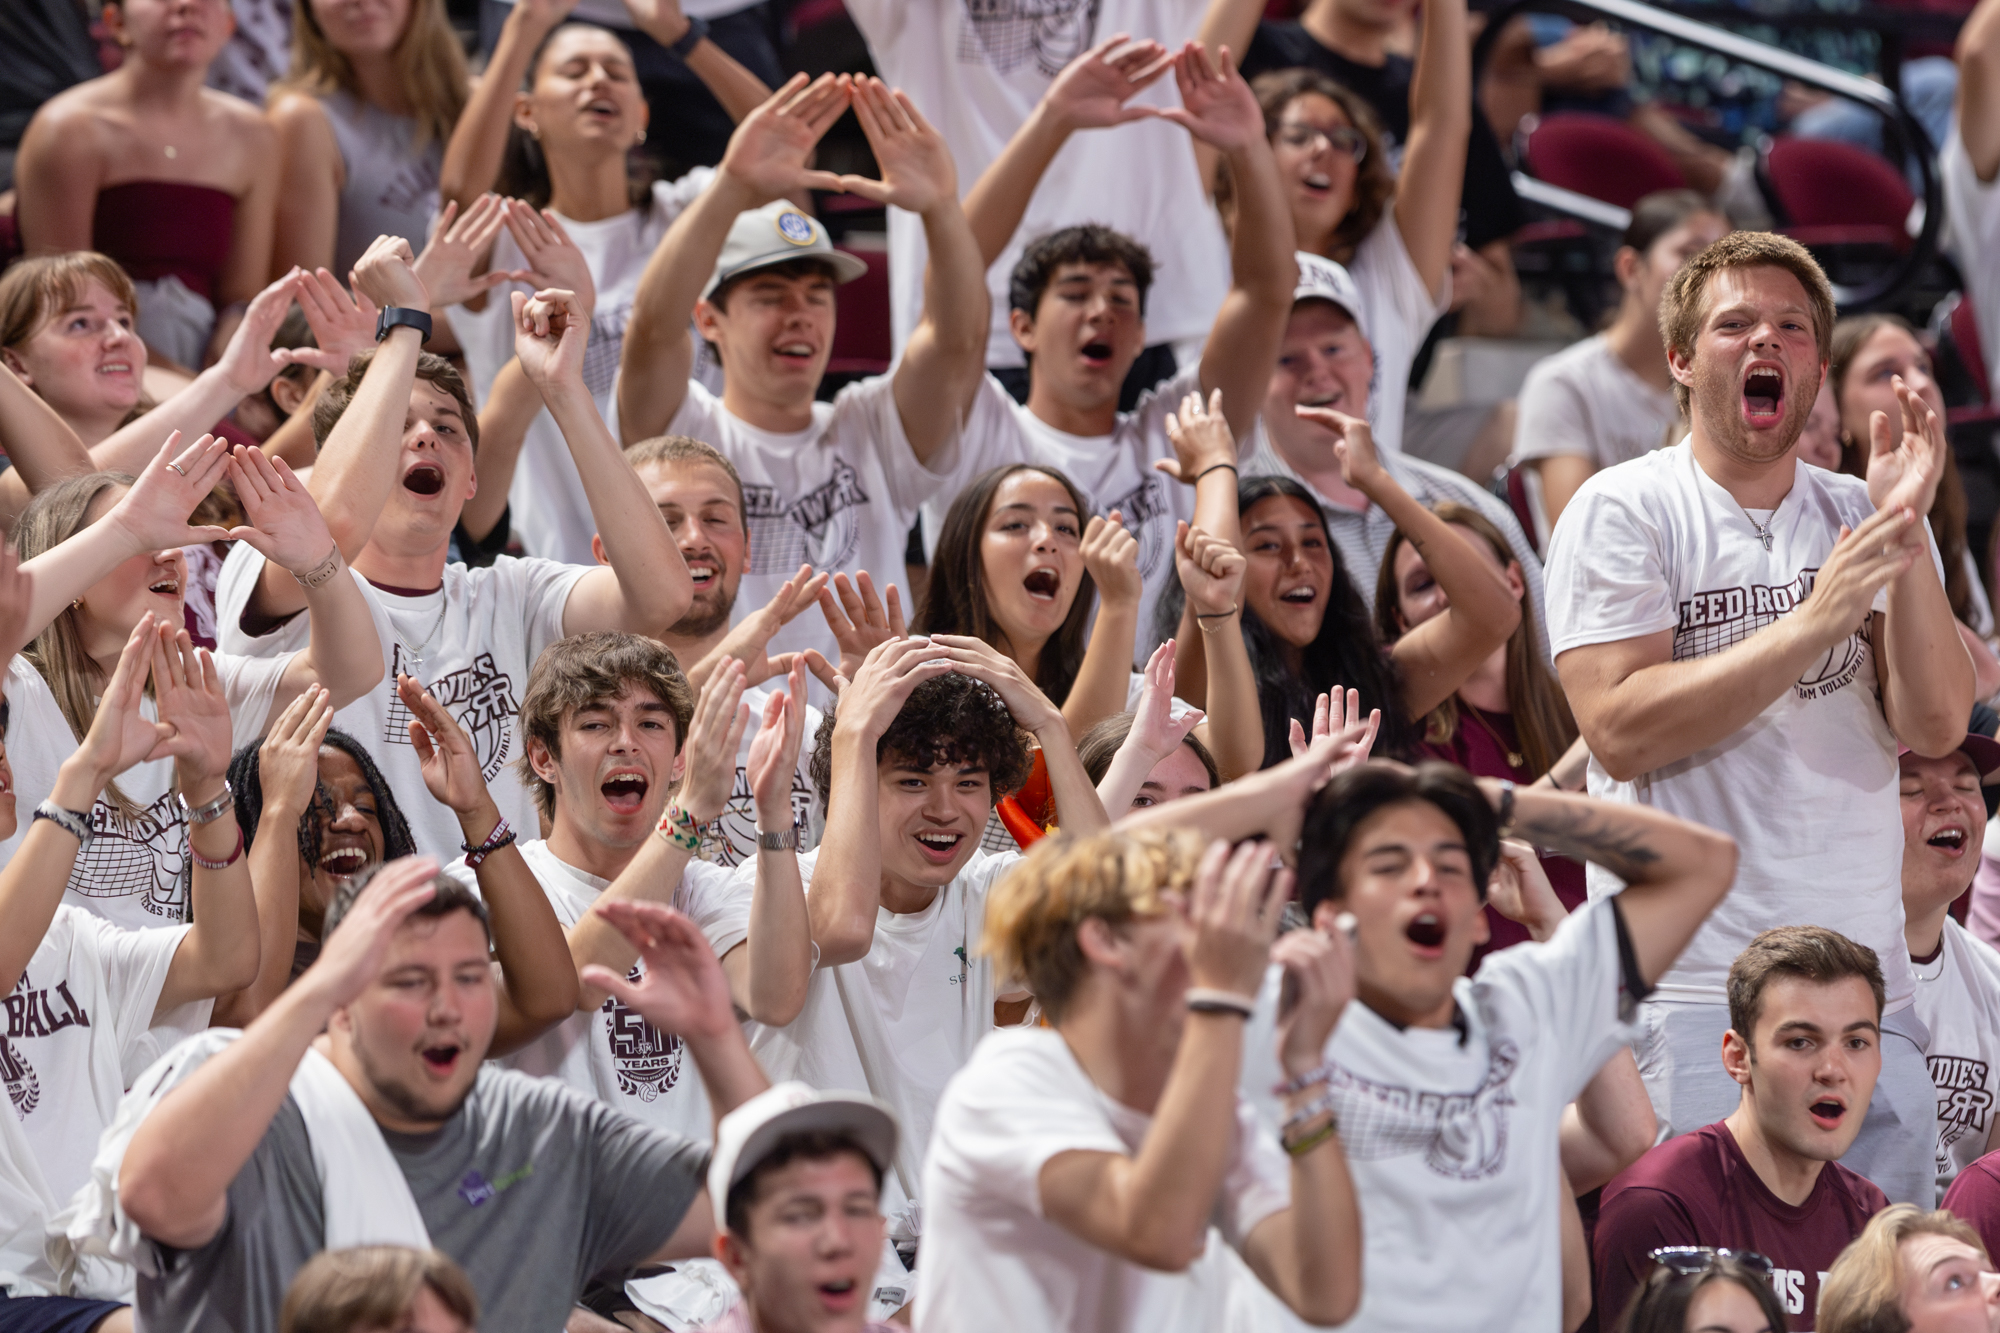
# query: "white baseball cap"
{"type": "Point", "coordinates": [1320, 279]}
{"type": "Point", "coordinates": [778, 233]}
{"type": "Point", "coordinates": [747, 1134]}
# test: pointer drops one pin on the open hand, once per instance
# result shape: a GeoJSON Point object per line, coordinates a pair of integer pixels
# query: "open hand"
{"type": "Point", "coordinates": [1201, 438]}
{"type": "Point", "coordinates": [458, 247]}
{"type": "Point", "coordinates": [749, 641]}
{"type": "Point", "coordinates": [120, 735]}
{"type": "Point", "coordinates": [351, 957]}
{"type": "Point", "coordinates": [288, 760]}
{"type": "Point", "coordinates": [444, 752]}
{"type": "Point", "coordinates": [1231, 916]}
{"type": "Point", "coordinates": [1217, 106]}
{"type": "Point", "coordinates": [342, 324]}
{"type": "Point", "coordinates": [153, 514]}
{"type": "Point", "coordinates": [715, 735]}
{"type": "Point", "coordinates": [286, 526]}
{"type": "Point", "coordinates": [1341, 736]}
{"type": "Point", "coordinates": [860, 621]}
{"type": "Point", "coordinates": [980, 660]}
{"type": "Point", "coordinates": [1319, 975]}
{"type": "Point", "coordinates": [917, 170]}
{"type": "Point", "coordinates": [767, 154]}
{"type": "Point", "coordinates": [881, 685]}
{"type": "Point", "coordinates": [1906, 458]}
{"type": "Point", "coordinates": [1093, 90]}
{"type": "Point", "coordinates": [1156, 732]}
{"type": "Point", "coordinates": [190, 701]}
{"type": "Point", "coordinates": [248, 363]}
{"type": "Point", "coordinates": [774, 751]}
{"type": "Point", "coordinates": [552, 257]}
{"type": "Point", "coordinates": [683, 990]}
{"type": "Point", "coordinates": [1863, 561]}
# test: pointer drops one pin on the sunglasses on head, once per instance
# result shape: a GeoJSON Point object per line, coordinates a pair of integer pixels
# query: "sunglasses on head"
{"type": "Point", "coordinates": [1688, 1260]}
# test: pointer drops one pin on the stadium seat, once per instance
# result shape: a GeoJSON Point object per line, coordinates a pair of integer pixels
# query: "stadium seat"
{"type": "Point", "coordinates": [1827, 193]}
{"type": "Point", "coordinates": [861, 341]}
{"type": "Point", "coordinates": [1598, 156]}
{"type": "Point", "coordinates": [1516, 482]}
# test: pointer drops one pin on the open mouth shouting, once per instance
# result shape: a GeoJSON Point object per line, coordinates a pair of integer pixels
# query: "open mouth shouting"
{"type": "Point", "coordinates": [1827, 1112]}
{"type": "Point", "coordinates": [1303, 595]}
{"type": "Point", "coordinates": [1337, 398]}
{"type": "Point", "coordinates": [625, 791]}
{"type": "Point", "coordinates": [840, 1295]}
{"type": "Point", "coordinates": [1043, 583]}
{"type": "Point", "coordinates": [165, 586]}
{"type": "Point", "coordinates": [115, 368]}
{"type": "Point", "coordinates": [344, 862]}
{"type": "Point", "coordinates": [1950, 840]}
{"type": "Point", "coordinates": [703, 572]}
{"type": "Point", "coordinates": [1764, 396]}
{"type": "Point", "coordinates": [424, 479]}
{"type": "Point", "coordinates": [442, 1060]}
{"type": "Point", "coordinates": [1426, 934]}
{"type": "Point", "coordinates": [937, 846]}
{"type": "Point", "coordinates": [1317, 182]}
{"type": "Point", "coordinates": [795, 353]}
{"type": "Point", "coordinates": [1096, 354]}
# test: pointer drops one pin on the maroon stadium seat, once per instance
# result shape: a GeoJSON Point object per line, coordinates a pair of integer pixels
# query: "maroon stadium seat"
{"type": "Point", "coordinates": [1598, 156]}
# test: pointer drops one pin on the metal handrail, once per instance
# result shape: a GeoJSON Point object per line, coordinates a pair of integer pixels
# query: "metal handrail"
{"type": "Point", "coordinates": [1884, 101]}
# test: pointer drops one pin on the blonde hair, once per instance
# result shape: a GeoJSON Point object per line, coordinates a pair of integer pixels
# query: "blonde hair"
{"type": "Point", "coordinates": [1863, 1291]}
{"type": "Point", "coordinates": [1033, 915]}
{"type": "Point", "coordinates": [430, 67]}
{"type": "Point", "coordinates": [33, 291]}
{"type": "Point", "coordinates": [1685, 303]}
{"type": "Point", "coordinates": [370, 1287]}
{"type": "Point", "coordinates": [73, 676]}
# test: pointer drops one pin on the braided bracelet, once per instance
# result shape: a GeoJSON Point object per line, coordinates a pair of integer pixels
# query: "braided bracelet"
{"type": "Point", "coordinates": [76, 823]}
{"type": "Point", "coordinates": [678, 828]}
{"type": "Point", "coordinates": [1303, 1081]}
{"type": "Point", "coordinates": [322, 571]}
{"type": "Point", "coordinates": [235, 856]}
{"type": "Point", "coordinates": [501, 836]}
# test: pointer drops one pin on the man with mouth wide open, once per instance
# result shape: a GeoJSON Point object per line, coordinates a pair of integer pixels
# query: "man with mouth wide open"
{"type": "Point", "coordinates": [1746, 640]}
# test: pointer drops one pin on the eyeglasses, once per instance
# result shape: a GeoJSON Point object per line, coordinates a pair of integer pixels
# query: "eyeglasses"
{"type": "Point", "coordinates": [1341, 138]}
{"type": "Point", "coordinates": [1688, 1260]}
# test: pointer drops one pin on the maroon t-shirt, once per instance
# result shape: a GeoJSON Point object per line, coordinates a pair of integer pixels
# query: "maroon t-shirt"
{"type": "Point", "coordinates": [1476, 750]}
{"type": "Point", "coordinates": [1698, 1190]}
{"type": "Point", "coordinates": [1974, 1198]}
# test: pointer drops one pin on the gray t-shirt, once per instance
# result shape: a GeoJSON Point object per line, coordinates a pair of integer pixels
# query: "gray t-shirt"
{"type": "Point", "coordinates": [531, 1187]}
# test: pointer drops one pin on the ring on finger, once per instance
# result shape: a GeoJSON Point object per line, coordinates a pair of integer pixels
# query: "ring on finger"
{"type": "Point", "coordinates": [177, 468]}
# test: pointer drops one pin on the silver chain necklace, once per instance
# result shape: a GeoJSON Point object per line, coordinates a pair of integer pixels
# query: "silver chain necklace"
{"type": "Point", "coordinates": [415, 656]}
{"type": "Point", "coordinates": [1763, 530]}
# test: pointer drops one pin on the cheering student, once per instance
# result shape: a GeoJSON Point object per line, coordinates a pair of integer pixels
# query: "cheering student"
{"type": "Point", "coordinates": [700, 495]}
{"type": "Point", "coordinates": [1077, 301]}
{"type": "Point", "coordinates": [1913, 1270]}
{"type": "Point", "coordinates": [1728, 620]}
{"type": "Point", "coordinates": [1804, 1043]}
{"type": "Point", "coordinates": [397, 437]}
{"type": "Point", "coordinates": [1149, 754]}
{"type": "Point", "coordinates": [1450, 1091]}
{"type": "Point", "coordinates": [1077, 1169]}
{"type": "Point", "coordinates": [839, 484]}
{"type": "Point", "coordinates": [529, 1186]}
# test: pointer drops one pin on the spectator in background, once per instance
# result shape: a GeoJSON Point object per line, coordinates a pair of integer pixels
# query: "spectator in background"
{"type": "Point", "coordinates": [362, 118]}
{"type": "Point", "coordinates": [380, 1289]}
{"type": "Point", "coordinates": [1819, 442]}
{"type": "Point", "coordinates": [1697, 1289]}
{"type": "Point", "coordinates": [1870, 352]}
{"type": "Point", "coordinates": [1162, 758]}
{"type": "Point", "coordinates": [1348, 41]}
{"type": "Point", "coordinates": [171, 179]}
{"type": "Point", "coordinates": [258, 53]}
{"type": "Point", "coordinates": [1918, 1271]}
{"type": "Point", "coordinates": [1509, 719]}
{"type": "Point", "coordinates": [1968, 162]}
{"type": "Point", "coordinates": [1805, 1046]}
{"type": "Point", "coordinates": [1946, 806]}
{"type": "Point", "coordinates": [552, 126]}
{"type": "Point", "coordinates": [1392, 224]}
{"type": "Point", "coordinates": [1610, 398]}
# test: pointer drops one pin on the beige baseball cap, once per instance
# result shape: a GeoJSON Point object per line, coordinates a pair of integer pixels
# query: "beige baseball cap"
{"type": "Point", "coordinates": [778, 233]}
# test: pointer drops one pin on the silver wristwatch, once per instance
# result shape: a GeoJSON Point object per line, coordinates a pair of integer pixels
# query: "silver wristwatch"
{"type": "Point", "coordinates": [787, 841]}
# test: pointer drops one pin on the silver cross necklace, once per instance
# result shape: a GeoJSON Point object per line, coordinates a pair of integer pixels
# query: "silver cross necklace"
{"type": "Point", "coordinates": [415, 656]}
{"type": "Point", "coordinates": [1763, 530]}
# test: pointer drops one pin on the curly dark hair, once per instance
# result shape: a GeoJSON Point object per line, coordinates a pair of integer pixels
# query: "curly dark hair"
{"type": "Point", "coordinates": [1090, 243]}
{"type": "Point", "coordinates": [949, 719]}
{"type": "Point", "coordinates": [246, 781]}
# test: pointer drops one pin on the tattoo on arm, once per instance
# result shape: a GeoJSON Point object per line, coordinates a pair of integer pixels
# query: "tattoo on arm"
{"type": "Point", "coordinates": [1588, 835]}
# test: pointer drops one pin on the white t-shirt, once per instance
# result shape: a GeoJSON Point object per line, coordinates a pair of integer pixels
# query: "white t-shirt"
{"type": "Point", "coordinates": [1809, 787]}
{"type": "Point", "coordinates": [1453, 1137]}
{"type": "Point", "coordinates": [1958, 998]}
{"type": "Point", "coordinates": [840, 494]}
{"type": "Point", "coordinates": [471, 643]}
{"type": "Point", "coordinates": [992, 1260]}
{"type": "Point", "coordinates": [613, 1054]}
{"type": "Point", "coordinates": [976, 71]}
{"type": "Point", "coordinates": [133, 874]}
{"type": "Point", "coordinates": [730, 839]}
{"type": "Point", "coordinates": [26, 1205]}
{"type": "Point", "coordinates": [901, 1020]}
{"type": "Point", "coordinates": [1398, 313]}
{"type": "Point", "coordinates": [77, 1016]}
{"type": "Point", "coordinates": [1585, 402]}
{"type": "Point", "coordinates": [1113, 471]}
{"type": "Point", "coordinates": [547, 506]}
{"type": "Point", "coordinates": [1972, 223]}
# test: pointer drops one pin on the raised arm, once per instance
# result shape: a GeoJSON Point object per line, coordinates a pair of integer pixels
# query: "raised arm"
{"type": "Point", "coordinates": [749, 640]}
{"type": "Point", "coordinates": [847, 877]}
{"type": "Point", "coordinates": [1155, 733]}
{"type": "Point", "coordinates": [174, 1180]}
{"type": "Point", "coordinates": [1439, 655]}
{"type": "Point", "coordinates": [1432, 175]}
{"type": "Point", "coordinates": [1091, 92]}
{"type": "Point", "coordinates": [1211, 572]}
{"type": "Point", "coordinates": [1640, 710]}
{"type": "Point", "coordinates": [768, 972]}
{"type": "Point", "coordinates": [343, 653]}
{"type": "Point", "coordinates": [766, 160]}
{"type": "Point", "coordinates": [646, 587]}
{"type": "Point", "coordinates": [653, 875]}
{"type": "Point", "coordinates": [1218, 109]}
{"type": "Point", "coordinates": [479, 140]}
{"type": "Point", "coordinates": [738, 90]}
{"type": "Point", "coordinates": [1928, 675]}
{"type": "Point", "coordinates": [1111, 556]}
{"type": "Point", "coordinates": [1675, 872]}
{"type": "Point", "coordinates": [538, 986]}
{"type": "Point", "coordinates": [1077, 806]}
{"type": "Point", "coordinates": [1978, 117]}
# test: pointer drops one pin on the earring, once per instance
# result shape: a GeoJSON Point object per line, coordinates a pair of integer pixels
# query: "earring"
{"type": "Point", "coordinates": [640, 139]}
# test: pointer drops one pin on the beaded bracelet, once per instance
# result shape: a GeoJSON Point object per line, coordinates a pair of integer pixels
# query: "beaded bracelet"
{"type": "Point", "coordinates": [231, 860]}
{"type": "Point", "coordinates": [678, 828]}
{"type": "Point", "coordinates": [501, 836]}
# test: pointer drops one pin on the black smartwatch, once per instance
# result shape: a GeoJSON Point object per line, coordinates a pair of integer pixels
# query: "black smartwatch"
{"type": "Point", "coordinates": [397, 316]}
{"type": "Point", "coordinates": [697, 29]}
